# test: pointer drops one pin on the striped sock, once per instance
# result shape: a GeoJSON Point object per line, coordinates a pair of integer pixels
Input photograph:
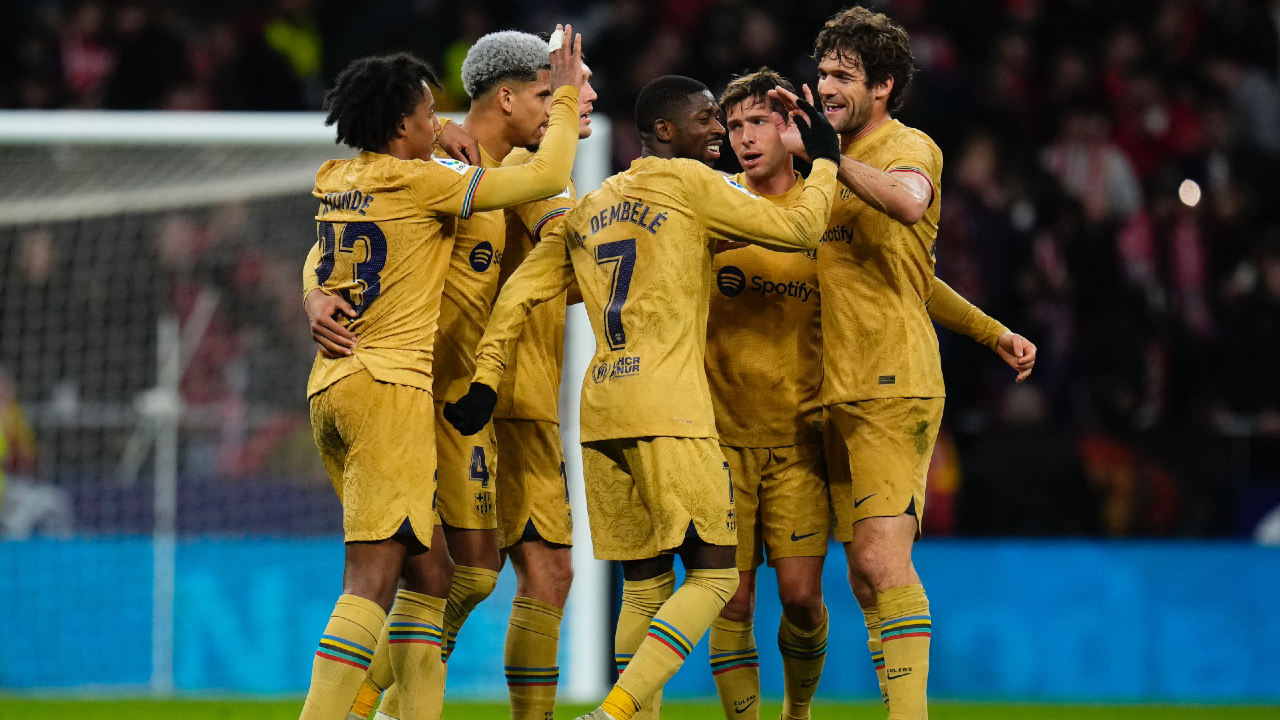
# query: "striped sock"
{"type": "Point", "coordinates": [676, 629]}
{"type": "Point", "coordinates": [378, 678]}
{"type": "Point", "coordinates": [905, 630]}
{"type": "Point", "coordinates": [533, 639]}
{"type": "Point", "coordinates": [641, 600]}
{"type": "Point", "coordinates": [471, 585]}
{"type": "Point", "coordinates": [341, 661]}
{"type": "Point", "coordinates": [735, 667]}
{"type": "Point", "coordinates": [872, 617]}
{"type": "Point", "coordinates": [414, 641]}
{"type": "Point", "coordinates": [804, 652]}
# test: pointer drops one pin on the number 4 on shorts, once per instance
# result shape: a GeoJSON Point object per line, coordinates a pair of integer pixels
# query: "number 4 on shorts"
{"type": "Point", "coordinates": [479, 469]}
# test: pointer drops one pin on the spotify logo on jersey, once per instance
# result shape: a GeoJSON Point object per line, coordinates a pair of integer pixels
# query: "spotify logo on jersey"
{"type": "Point", "coordinates": [482, 256]}
{"type": "Point", "coordinates": [731, 281]}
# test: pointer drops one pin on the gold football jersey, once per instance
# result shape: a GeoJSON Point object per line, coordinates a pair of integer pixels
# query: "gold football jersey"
{"type": "Point", "coordinates": [764, 344]}
{"type": "Point", "coordinates": [641, 250]}
{"type": "Point", "coordinates": [530, 388]}
{"type": "Point", "coordinates": [469, 288]}
{"type": "Point", "coordinates": [385, 233]}
{"type": "Point", "coordinates": [876, 275]}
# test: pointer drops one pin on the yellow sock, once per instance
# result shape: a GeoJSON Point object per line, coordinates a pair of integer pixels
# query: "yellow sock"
{"type": "Point", "coordinates": [804, 652]}
{"type": "Point", "coordinates": [366, 699]}
{"type": "Point", "coordinates": [735, 667]}
{"type": "Point", "coordinates": [533, 639]}
{"type": "Point", "coordinates": [414, 640]}
{"type": "Point", "coordinates": [877, 654]}
{"type": "Point", "coordinates": [677, 627]}
{"type": "Point", "coordinates": [390, 706]}
{"type": "Point", "coordinates": [641, 600]}
{"type": "Point", "coordinates": [378, 678]}
{"type": "Point", "coordinates": [346, 649]}
{"type": "Point", "coordinates": [471, 585]}
{"type": "Point", "coordinates": [620, 705]}
{"type": "Point", "coordinates": [905, 629]}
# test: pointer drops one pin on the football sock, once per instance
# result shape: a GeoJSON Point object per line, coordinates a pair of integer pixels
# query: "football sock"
{"type": "Point", "coordinates": [415, 640]}
{"type": "Point", "coordinates": [378, 678]}
{"type": "Point", "coordinates": [735, 667]}
{"type": "Point", "coordinates": [877, 654]}
{"type": "Point", "coordinates": [471, 585]}
{"type": "Point", "coordinates": [641, 600]}
{"type": "Point", "coordinates": [533, 639]}
{"type": "Point", "coordinates": [677, 627]}
{"type": "Point", "coordinates": [389, 709]}
{"type": "Point", "coordinates": [341, 661]}
{"type": "Point", "coordinates": [803, 654]}
{"type": "Point", "coordinates": [904, 635]}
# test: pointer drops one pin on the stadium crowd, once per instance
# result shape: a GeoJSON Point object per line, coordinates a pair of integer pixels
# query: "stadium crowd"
{"type": "Point", "coordinates": [1107, 169]}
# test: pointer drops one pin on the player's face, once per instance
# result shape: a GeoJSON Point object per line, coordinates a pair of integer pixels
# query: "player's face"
{"type": "Point", "coordinates": [698, 130]}
{"type": "Point", "coordinates": [586, 99]}
{"type": "Point", "coordinates": [755, 139]}
{"type": "Point", "coordinates": [422, 127]}
{"type": "Point", "coordinates": [843, 91]}
{"type": "Point", "coordinates": [529, 105]}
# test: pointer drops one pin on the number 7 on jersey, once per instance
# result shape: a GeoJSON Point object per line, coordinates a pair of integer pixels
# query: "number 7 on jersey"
{"type": "Point", "coordinates": [622, 255]}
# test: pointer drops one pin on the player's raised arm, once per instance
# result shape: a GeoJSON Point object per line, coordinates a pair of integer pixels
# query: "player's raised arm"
{"type": "Point", "coordinates": [549, 171]}
{"type": "Point", "coordinates": [731, 212]}
{"type": "Point", "coordinates": [950, 310]}
{"type": "Point", "coordinates": [545, 274]}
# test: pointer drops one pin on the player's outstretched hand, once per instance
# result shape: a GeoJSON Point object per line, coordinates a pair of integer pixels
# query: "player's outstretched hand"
{"type": "Point", "coordinates": [566, 61]}
{"type": "Point", "coordinates": [472, 411]}
{"type": "Point", "coordinates": [460, 144]}
{"type": "Point", "coordinates": [335, 341]}
{"type": "Point", "coordinates": [1018, 352]}
{"type": "Point", "coordinates": [819, 138]}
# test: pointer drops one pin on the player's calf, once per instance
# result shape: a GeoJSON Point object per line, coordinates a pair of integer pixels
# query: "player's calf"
{"type": "Point", "coordinates": [735, 663]}
{"type": "Point", "coordinates": [802, 632]}
{"type": "Point", "coordinates": [543, 575]}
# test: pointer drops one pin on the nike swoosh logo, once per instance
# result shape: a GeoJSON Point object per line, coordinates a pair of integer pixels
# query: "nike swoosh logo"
{"type": "Point", "coordinates": [798, 538]}
{"type": "Point", "coordinates": [808, 683]}
{"type": "Point", "coordinates": [857, 502]}
{"type": "Point", "coordinates": [895, 677]}
{"type": "Point", "coordinates": [744, 708]}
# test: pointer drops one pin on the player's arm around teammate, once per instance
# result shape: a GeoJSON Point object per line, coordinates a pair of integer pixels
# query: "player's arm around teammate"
{"type": "Point", "coordinates": [764, 368]}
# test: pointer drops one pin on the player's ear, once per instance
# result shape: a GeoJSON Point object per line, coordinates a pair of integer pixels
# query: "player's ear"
{"type": "Point", "coordinates": [883, 89]}
{"type": "Point", "coordinates": [402, 128]}
{"type": "Point", "coordinates": [664, 130]}
{"type": "Point", "coordinates": [505, 98]}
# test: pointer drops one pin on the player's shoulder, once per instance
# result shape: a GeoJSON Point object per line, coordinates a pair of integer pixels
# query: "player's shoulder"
{"type": "Point", "coordinates": [906, 139]}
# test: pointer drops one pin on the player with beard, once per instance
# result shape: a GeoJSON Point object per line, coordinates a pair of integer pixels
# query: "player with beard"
{"type": "Point", "coordinates": [764, 368]}
{"type": "Point", "coordinates": [657, 484]}
{"type": "Point", "coordinates": [882, 376]}
{"type": "Point", "coordinates": [507, 75]}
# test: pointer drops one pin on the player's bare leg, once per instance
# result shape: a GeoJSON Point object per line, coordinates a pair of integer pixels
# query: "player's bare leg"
{"type": "Point", "coordinates": [802, 632]}
{"type": "Point", "coordinates": [885, 582]}
{"type": "Point", "coordinates": [544, 572]}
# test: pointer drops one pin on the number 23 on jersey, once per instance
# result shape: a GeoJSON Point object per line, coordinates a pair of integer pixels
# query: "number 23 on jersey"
{"type": "Point", "coordinates": [353, 241]}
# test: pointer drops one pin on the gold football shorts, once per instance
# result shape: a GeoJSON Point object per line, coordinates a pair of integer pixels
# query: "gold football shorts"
{"type": "Point", "coordinates": [376, 440]}
{"type": "Point", "coordinates": [781, 502]}
{"type": "Point", "coordinates": [531, 482]}
{"type": "Point", "coordinates": [878, 455]}
{"type": "Point", "coordinates": [642, 494]}
{"type": "Point", "coordinates": [466, 480]}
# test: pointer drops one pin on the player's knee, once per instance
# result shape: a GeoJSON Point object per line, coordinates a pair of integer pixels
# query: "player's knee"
{"type": "Point", "coordinates": [804, 598]}
{"type": "Point", "coordinates": [742, 605]}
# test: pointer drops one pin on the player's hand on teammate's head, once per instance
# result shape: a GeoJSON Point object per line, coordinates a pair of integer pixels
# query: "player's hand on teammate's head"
{"type": "Point", "coordinates": [820, 139]}
{"type": "Point", "coordinates": [335, 341]}
{"type": "Point", "coordinates": [472, 411]}
{"type": "Point", "coordinates": [459, 144]}
{"type": "Point", "coordinates": [1018, 352]}
{"type": "Point", "coordinates": [566, 61]}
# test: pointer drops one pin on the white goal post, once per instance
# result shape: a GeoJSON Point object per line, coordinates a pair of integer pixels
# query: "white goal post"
{"type": "Point", "coordinates": [63, 166]}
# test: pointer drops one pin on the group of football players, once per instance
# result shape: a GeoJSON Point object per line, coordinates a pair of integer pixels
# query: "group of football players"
{"type": "Point", "coordinates": [766, 372]}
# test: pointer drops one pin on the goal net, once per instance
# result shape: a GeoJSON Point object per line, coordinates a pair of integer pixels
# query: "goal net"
{"type": "Point", "coordinates": [165, 523]}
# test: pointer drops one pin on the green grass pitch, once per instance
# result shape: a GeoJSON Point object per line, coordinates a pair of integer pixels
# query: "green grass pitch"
{"type": "Point", "coordinates": [14, 708]}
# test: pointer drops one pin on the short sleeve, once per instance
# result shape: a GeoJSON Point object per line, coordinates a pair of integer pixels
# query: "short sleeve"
{"type": "Point", "coordinates": [912, 153]}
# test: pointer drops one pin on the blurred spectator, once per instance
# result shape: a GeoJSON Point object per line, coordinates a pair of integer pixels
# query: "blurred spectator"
{"type": "Point", "coordinates": [87, 59]}
{"type": "Point", "coordinates": [151, 61]}
{"type": "Point", "coordinates": [1091, 168]}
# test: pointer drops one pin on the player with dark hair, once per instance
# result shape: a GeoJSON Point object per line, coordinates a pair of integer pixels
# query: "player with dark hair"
{"type": "Point", "coordinates": [882, 377]}
{"type": "Point", "coordinates": [657, 485]}
{"type": "Point", "coordinates": [764, 368]}
{"type": "Point", "coordinates": [384, 227]}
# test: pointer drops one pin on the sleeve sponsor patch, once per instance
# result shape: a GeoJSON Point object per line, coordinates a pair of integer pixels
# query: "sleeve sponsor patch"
{"type": "Point", "coordinates": [740, 189]}
{"type": "Point", "coordinates": [454, 165]}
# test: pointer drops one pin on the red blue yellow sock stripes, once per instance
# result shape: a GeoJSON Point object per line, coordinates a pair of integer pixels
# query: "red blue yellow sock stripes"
{"type": "Point", "coordinates": [622, 660]}
{"type": "Point", "coordinates": [905, 627]}
{"type": "Point", "coordinates": [344, 651]}
{"type": "Point", "coordinates": [532, 676]}
{"type": "Point", "coordinates": [803, 652]}
{"type": "Point", "coordinates": [734, 660]}
{"type": "Point", "coordinates": [877, 659]}
{"type": "Point", "coordinates": [451, 639]}
{"type": "Point", "coordinates": [413, 632]}
{"type": "Point", "coordinates": [667, 634]}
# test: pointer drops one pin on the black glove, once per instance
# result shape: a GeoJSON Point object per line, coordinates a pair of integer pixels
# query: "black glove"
{"type": "Point", "coordinates": [472, 411]}
{"type": "Point", "coordinates": [820, 139]}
